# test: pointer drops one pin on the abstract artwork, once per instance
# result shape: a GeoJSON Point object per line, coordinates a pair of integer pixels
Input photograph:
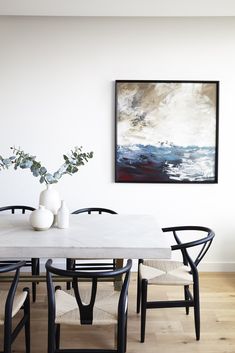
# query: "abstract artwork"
{"type": "Point", "coordinates": [166, 131]}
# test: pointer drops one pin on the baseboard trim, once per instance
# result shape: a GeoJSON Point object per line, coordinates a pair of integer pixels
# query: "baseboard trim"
{"type": "Point", "coordinates": [217, 267]}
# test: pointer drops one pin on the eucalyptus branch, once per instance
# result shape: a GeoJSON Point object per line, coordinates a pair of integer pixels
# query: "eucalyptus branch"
{"type": "Point", "coordinates": [24, 160]}
{"type": "Point", "coordinates": [5, 163]}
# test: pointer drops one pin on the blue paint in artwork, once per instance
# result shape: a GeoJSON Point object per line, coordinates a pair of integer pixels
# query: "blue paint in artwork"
{"type": "Point", "coordinates": [165, 163]}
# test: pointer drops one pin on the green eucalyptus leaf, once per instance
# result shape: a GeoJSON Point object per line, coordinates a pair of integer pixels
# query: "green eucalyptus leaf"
{"type": "Point", "coordinates": [57, 175]}
{"type": "Point", "coordinates": [49, 178]}
{"type": "Point", "coordinates": [74, 170]}
{"type": "Point", "coordinates": [42, 170]}
{"type": "Point", "coordinates": [36, 172]}
{"type": "Point", "coordinates": [6, 161]}
{"type": "Point", "coordinates": [62, 169]}
{"type": "Point", "coordinates": [69, 169]}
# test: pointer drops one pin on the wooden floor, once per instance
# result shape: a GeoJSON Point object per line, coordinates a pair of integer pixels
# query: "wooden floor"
{"type": "Point", "coordinates": [167, 331]}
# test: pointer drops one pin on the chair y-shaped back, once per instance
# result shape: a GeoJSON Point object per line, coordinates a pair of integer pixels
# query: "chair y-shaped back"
{"type": "Point", "coordinates": [72, 264]}
{"type": "Point", "coordinates": [34, 262]}
{"type": "Point", "coordinates": [180, 273]}
{"type": "Point", "coordinates": [98, 210]}
{"type": "Point", "coordinates": [11, 302]}
{"type": "Point", "coordinates": [90, 303]}
{"type": "Point", "coordinates": [17, 207]}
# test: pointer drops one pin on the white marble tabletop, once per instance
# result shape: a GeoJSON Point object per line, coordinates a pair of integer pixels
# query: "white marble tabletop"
{"type": "Point", "coordinates": [89, 236]}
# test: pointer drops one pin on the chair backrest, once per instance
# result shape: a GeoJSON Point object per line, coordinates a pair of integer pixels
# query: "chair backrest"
{"type": "Point", "coordinates": [203, 242]}
{"type": "Point", "coordinates": [98, 210]}
{"type": "Point", "coordinates": [13, 285]}
{"type": "Point", "coordinates": [17, 207]}
{"type": "Point", "coordinates": [93, 277]}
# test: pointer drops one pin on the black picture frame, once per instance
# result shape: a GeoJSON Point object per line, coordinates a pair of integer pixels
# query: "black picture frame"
{"type": "Point", "coordinates": [166, 131]}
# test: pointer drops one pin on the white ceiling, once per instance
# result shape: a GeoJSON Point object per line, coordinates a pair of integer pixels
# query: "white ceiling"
{"type": "Point", "coordinates": [146, 8]}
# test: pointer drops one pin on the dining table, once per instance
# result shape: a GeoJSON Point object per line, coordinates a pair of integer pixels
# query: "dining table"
{"type": "Point", "coordinates": [88, 236]}
{"type": "Point", "coordinates": [119, 236]}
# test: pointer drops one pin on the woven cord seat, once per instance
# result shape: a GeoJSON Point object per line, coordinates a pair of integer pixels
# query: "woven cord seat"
{"type": "Point", "coordinates": [165, 272]}
{"type": "Point", "coordinates": [104, 312]}
{"type": "Point", "coordinates": [19, 300]}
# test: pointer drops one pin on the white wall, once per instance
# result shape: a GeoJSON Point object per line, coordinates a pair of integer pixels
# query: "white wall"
{"type": "Point", "coordinates": [57, 91]}
{"type": "Point", "coordinates": [125, 8]}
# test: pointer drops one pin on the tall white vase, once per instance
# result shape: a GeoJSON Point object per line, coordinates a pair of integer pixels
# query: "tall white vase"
{"type": "Point", "coordinates": [50, 199]}
{"type": "Point", "coordinates": [63, 216]}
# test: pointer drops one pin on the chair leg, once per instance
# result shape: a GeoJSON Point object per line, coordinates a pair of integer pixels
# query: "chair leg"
{"type": "Point", "coordinates": [196, 310]}
{"type": "Point", "coordinates": [57, 336]}
{"type": "Point", "coordinates": [143, 308]}
{"type": "Point", "coordinates": [38, 267]}
{"type": "Point", "coordinates": [125, 338]}
{"type": "Point", "coordinates": [34, 271]}
{"type": "Point", "coordinates": [27, 323]}
{"type": "Point", "coordinates": [139, 290]}
{"type": "Point", "coordinates": [118, 280]}
{"type": "Point", "coordinates": [34, 291]}
{"type": "Point", "coordinates": [186, 297]}
{"type": "Point", "coordinates": [7, 343]}
{"type": "Point", "coordinates": [121, 334]}
{"type": "Point", "coordinates": [69, 266]}
{"type": "Point", "coordinates": [7, 335]}
{"type": "Point", "coordinates": [51, 345]}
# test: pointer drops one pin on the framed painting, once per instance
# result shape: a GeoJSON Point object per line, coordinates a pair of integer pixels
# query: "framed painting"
{"type": "Point", "coordinates": [166, 131]}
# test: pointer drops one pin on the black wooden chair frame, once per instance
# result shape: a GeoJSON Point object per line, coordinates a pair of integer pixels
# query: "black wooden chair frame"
{"type": "Point", "coordinates": [71, 264]}
{"type": "Point", "coordinates": [10, 334]}
{"type": "Point", "coordinates": [190, 299]}
{"type": "Point", "coordinates": [86, 310]}
{"type": "Point", "coordinates": [34, 263]}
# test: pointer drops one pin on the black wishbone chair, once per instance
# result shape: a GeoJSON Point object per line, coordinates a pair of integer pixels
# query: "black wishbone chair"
{"type": "Point", "coordinates": [89, 303]}
{"type": "Point", "coordinates": [72, 264]}
{"type": "Point", "coordinates": [34, 263]}
{"type": "Point", "coordinates": [179, 273]}
{"type": "Point", "coordinates": [11, 301]}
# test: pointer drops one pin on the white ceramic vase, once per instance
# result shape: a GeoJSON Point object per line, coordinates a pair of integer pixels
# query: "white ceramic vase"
{"type": "Point", "coordinates": [41, 219]}
{"type": "Point", "coordinates": [63, 216]}
{"type": "Point", "coordinates": [50, 199]}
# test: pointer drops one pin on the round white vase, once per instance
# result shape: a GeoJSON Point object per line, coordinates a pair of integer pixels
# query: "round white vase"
{"type": "Point", "coordinates": [41, 219]}
{"type": "Point", "coordinates": [50, 199]}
